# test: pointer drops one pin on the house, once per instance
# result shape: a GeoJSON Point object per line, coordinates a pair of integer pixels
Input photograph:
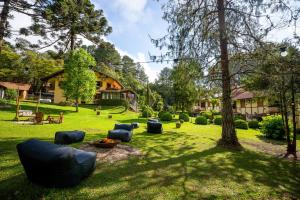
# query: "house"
{"type": "Point", "coordinates": [252, 103]}
{"type": "Point", "coordinates": [107, 88]}
{"type": "Point", "coordinates": [22, 88]}
{"type": "Point", "coordinates": [244, 102]}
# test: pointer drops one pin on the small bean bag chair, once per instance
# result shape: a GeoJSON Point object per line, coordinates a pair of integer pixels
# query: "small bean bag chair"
{"type": "Point", "coordinates": [54, 165]}
{"type": "Point", "coordinates": [135, 125]}
{"type": "Point", "coordinates": [154, 126]}
{"type": "Point", "coordinates": [68, 137]}
{"type": "Point", "coordinates": [121, 132]}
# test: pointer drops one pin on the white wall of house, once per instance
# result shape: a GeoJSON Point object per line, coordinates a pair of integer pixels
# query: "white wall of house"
{"type": "Point", "coordinates": [1, 93]}
{"type": "Point", "coordinates": [251, 106]}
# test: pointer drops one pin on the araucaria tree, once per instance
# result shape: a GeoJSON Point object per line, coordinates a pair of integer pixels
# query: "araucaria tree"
{"type": "Point", "coordinates": [80, 81]}
{"type": "Point", "coordinates": [210, 31]}
{"type": "Point", "coordinates": [64, 20]}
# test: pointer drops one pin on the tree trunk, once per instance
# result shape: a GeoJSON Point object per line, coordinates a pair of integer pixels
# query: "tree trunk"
{"type": "Point", "coordinates": [72, 40]}
{"type": "Point", "coordinates": [3, 22]}
{"type": "Point", "coordinates": [229, 137]}
{"type": "Point", "coordinates": [291, 148]}
{"type": "Point", "coordinates": [76, 102]}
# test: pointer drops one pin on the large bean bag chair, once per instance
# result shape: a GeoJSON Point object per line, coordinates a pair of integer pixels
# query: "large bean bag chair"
{"type": "Point", "coordinates": [54, 165]}
{"type": "Point", "coordinates": [154, 126]}
{"type": "Point", "coordinates": [68, 137]}
{"type": "Point", "coordinates": [121, 132]}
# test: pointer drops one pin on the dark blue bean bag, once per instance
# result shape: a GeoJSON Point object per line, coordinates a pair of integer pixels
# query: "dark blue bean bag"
{"type": "Point", "coordinates": [154, 126]}
{"type": "Point", "coordinates": [135, 125]}
{"type": "Point", "coordinates": [121, 132]}
{"type": "Point", "coordinates": [68, 137]}
{"type": "Point", "coordinates": [54, 165]}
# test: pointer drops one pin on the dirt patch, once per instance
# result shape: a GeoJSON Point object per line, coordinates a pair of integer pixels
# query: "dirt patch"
{"type": "Point", "coordinates": [269, 148]}
{"type": "Point", "coordinates": [119, 152]}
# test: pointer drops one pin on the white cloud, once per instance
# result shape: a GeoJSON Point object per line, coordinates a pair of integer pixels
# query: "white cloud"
{"type": "Point", "coordinates": [131, 10]}
{"type": "Point", "coordinates": [140, 57]}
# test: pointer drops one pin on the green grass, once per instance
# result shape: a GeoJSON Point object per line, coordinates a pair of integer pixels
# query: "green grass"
{"type": "Point", "coordinates": [179, 164]}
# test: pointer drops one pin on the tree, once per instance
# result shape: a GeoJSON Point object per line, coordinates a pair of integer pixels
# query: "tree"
{"type": "Point", "coordinates": [20, 6]}
{"type": "Point", "coordinates": [211, 31]}
{"type": "Point", "coordinates": [64, 20]}
{"type": "Point", "coordinates": [275, 76]}
{"type": "Point", "coordinates": [80, 81]}
{"type": "Point", "coordinates": [164, 86]}
{"type": "Point", "coordinates": [185, 76]}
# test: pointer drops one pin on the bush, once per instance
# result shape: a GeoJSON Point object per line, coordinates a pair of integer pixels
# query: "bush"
{"type": "Point", "coordinates": [218, 120]}
{"type": "Point", "coordinates": [185, 117]}
{"type": "Point", "coordinates": [166, 116]}
{"type": "Point", "coordinates": [178, 124]}
{"type": "Point", "coordinates": [272, 127]}
{"type": "Point", "coordinates": [113, 102]}
{"type": "Point", "coordinates": [201, 120]}
{"type": "Point", "coordinates": [215, 112]}
{"type": "Point", "coordinates": [3, 101]}
{"type": "Point", "coordinates": [147, 111]}
{"type": "Point", "coordinates": [10, 94]}
{"type": "Point", "coordinates": [207, 114]}
{"type": "Point", "coordinates": [253, 124]}
{"type": "Point", "coordinates": [181, 121]}
{"type": "Point", "coordinates": [241, 124]}
{"type": "Point", "coordinates": [161, 113]}
{"type": "Point", "coordinates": [239, 116]}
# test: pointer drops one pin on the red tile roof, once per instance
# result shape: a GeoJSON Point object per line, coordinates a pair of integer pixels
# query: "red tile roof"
{"type": "Point", "coordinates": [243, 95]}
{"type": "Point", "coordinates": [15, 86]}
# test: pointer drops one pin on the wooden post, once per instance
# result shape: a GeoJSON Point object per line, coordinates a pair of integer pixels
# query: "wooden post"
{"type": "Point", "coordinates": [17, 106]}
{"type": "Point", "coordinates": [38, 102]}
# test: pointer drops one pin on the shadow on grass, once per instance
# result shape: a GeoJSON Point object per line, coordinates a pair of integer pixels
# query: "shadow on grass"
{"type": "Point", "coordinates": [170, 162]}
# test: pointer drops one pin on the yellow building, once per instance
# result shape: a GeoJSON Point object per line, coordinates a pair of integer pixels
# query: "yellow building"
{"type": "Point", "coordinates": [107, 88]}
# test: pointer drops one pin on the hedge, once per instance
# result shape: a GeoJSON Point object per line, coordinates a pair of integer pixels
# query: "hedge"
{"type": "Point", "coordinates": [218, 120]}
{"type": "Point", "coordinates": [184, 117]}
{"type": "Point", "coordinates": [166, 116]}
{"type": "Point", "coordinates": [253, 124]}
{"type": "Point", "coordinates": [241, 124]}
{"type": "Point", "coordinates": [272, 127]}
{"type": "Point", "coordinates": [112, 102]}
{"type": "Point", "coordinates": [201, 120]}
{"type": "Point", "coordinates": [207, 114]}
{"type": "Point", "coordinates": [147, 111]}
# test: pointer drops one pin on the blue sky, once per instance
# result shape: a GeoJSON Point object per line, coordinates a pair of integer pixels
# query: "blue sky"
{"type": "Point", "coordinates": [133, 21]}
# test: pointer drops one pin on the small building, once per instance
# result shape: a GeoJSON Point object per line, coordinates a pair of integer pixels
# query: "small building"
{"type": "Point", "coordinates": [22, 88]}
{"type": "Point", "coordinates": [107, 88]}
{"type": "Point", "coordinates": [252, 103]}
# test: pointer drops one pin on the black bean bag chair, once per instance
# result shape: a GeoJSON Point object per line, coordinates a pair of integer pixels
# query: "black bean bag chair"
{"type": "Point", "coordinates": [121, 132]}
{"type": "Point", "coordinates": [135, 125]}
{"type": "Point", "coordinates": [154, 126]}
{"type": "Point", "coordinates": [54, 165]}
{"type": "Point", "coordinates": [68, 137]}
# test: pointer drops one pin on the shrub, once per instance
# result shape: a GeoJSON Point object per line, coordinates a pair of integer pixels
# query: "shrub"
{"type": "Point", "coordinates": [272, 127]}
{"type": "Point", "coordinates": [201, 120]}
{"type": "Point", "coordinates": [215, 112]}
{"type": "Point", "coordinates": [178, 124]}
{"type": "Point", "coordinates": [112, 102]}
{"type": "Point", "coordinates": [181, 121]}
{"type": "Point", "coordinates": [147, 111]}
{"type": "Point", "coordinates": [166, 116]}
{"type": "Point", "coordinates": [3, 101]}
{"type": "Point", "coordinates": [185, 117]}
{"type": "Point", "coordinates": [238, 116]}
{"type": "Point", "coordinates": [10, 94]}
{"type": "Point", "coordinates": [253, 124]}
{"type": "Point", "coordinates": [241, 124]}
{"type": "Point", "coordinates": [206, 114]}
{"type": "Point", "coordinates": [161, 113]}
{"type": "Point", "coordinates": [218, 120]}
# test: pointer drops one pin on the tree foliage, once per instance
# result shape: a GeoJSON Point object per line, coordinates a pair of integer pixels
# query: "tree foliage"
{"type": "Point", "coordinates": [80, 81]}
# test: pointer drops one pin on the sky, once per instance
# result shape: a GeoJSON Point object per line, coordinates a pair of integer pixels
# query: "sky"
{"type": "Point", "coordinates": [133, 23]}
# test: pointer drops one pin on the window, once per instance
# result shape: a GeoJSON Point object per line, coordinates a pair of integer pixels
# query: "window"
{"type": "Point", "coordinates": [51, 85]}
{"type": "Point", "coordinates": [99, 84]}
{"type": "Point", "coordinates": [233, 105]}
{"type": "Point", "coordinates": [202, 104]}
{"type": "Point", "coordinates": [108, 86]}
{"type": "Point", "coordinates": [243, 103]}
{"type": "Point", "coordinates": [260, 102]}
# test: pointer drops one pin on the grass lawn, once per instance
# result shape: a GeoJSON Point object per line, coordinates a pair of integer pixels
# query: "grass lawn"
{"type": "Point", "coordinates": [179, 164]}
